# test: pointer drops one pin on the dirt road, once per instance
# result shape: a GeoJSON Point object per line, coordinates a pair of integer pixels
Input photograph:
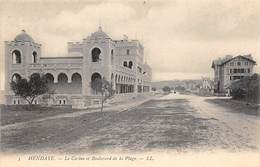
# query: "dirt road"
{"type": "Point", "coordinates": [174, 122]}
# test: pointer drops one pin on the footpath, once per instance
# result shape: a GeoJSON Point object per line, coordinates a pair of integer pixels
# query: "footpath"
{"type": "Point", "coordinates": [120, 106]}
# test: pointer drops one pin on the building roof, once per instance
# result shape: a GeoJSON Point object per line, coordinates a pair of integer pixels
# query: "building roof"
{"type": "Point", "coordinates": [228, 58]}
{"type": "Point", "coordinates": [247, 57]}
{"type": "Point", "coordinates": [99, 34]}
{"type": "Point", "coordinates": [23, 37]}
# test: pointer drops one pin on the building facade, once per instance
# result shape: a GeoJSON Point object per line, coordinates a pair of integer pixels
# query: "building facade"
{"type": "Point", "coordinates": [230, 69]}
{"type": "Point", "coordinates": [121, 62]}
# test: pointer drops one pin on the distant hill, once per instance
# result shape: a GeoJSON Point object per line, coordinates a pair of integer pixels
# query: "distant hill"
{"type": "Point", "coordinates": [188, 84]}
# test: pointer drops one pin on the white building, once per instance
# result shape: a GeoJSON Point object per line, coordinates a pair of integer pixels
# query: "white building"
{"type": "Point", "coordinates": [229, 69]}
{"type": "Point", "coordinates": [206, 83]}
{"type": "Point", "coordinates": [97, 56]}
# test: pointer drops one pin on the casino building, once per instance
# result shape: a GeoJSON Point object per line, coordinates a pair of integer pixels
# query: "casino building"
{"type": "Point", "coordinates": [121, 62]}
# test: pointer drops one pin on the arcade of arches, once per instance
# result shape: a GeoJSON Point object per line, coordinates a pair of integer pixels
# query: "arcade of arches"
{"type": "Point", "coordinates": [65, 85]}
{"type": "Point", "coordinates": [62, 86]}
{"type": "Point", "coordinates": [122, 84]}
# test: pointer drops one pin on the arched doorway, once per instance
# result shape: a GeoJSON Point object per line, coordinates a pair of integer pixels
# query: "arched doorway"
{"type": "Point", "coordinates": [95, 76]}
{"type": "Point", "coordinates": [50, 82]}
{"type": "Point", "coordinates": [62, 87]}
{"type": "Point", "coordinates": [95, 84]}
{"type": "Point", "coordinates": [76, 83]}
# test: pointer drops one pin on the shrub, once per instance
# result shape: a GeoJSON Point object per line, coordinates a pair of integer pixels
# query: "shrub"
{"type": "Point", "coordinates": [246, 88]}
{"type": "Point", "coordinates": [166, 89]}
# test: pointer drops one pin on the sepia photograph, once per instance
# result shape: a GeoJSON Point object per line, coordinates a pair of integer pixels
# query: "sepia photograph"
{"type": "Point", "coordinates": [171, 83]}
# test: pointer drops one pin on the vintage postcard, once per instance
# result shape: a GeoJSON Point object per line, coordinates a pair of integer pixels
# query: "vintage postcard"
{"type": "Point", "coordinates": [130, 83]}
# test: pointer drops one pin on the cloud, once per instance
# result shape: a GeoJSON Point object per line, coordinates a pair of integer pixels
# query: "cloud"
{"type": "Point", "coordinates": [89, 17]}
{"type": "Point", "coordinates": [178, 36]}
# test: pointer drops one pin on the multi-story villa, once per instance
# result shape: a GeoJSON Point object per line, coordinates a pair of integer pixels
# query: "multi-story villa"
{"type": "Point", "coordinates": [229, 69]}
{"type": "Point", "coordinates": [120, 61]}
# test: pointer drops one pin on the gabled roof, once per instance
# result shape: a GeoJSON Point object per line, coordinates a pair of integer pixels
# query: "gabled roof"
{"type": "Point", "coordinates": [220, 62]}
{"type": "Point", "coordinates": [243, 57]}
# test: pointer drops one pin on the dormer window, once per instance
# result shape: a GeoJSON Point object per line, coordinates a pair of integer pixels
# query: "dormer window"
{"type": "Point", "coordinates": [17, 59]}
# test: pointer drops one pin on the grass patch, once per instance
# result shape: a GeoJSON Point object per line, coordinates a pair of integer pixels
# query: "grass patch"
{"type": "Point", "coordinates": [11, 114]}
{"type": "Point", "coordinates": [237, 106]}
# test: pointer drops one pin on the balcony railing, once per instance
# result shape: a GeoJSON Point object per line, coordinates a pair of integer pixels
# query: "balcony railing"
{"type": "Point", "coordinates": [56, 66]}
{"type": "Point", "coordinates": [123, 69]}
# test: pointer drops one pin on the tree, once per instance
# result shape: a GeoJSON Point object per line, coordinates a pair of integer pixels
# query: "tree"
{"type": "Point", "coordinates": [246, 89]}
{"type": "Point", "coordinates": [104, 87]}
{"type": "Point", "coordinates": [166, 89]}
{"type": "Point", "coordinates": [29, 89]}
{"type": "Point", "coordinates": [153, 88]}
{"type": "Point", "coordinates": [180, 88]}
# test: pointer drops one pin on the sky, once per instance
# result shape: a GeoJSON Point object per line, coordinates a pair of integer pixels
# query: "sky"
{"type": "Point", "coordinates": [180, 37]}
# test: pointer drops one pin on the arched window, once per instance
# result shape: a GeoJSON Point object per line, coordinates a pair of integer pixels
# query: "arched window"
{"type": "Point", "coordinates": [17, 58]}
{"type": "Point", "coordinates": [16, 77]}
{"type": "Point", "coordinates": [125, 64]}
{"type": "Point", "coordinates": [130, 64]}
{"type": "Point", "coordinates": [34, 57]}
{"type": "Point", "coordinates": [62, 78]}
{"type": "Point", "coordinates": [50, 78]}
{"type": "Point", "coordinates": [76, 77]}
{"type": "Point", "coordinates": [95, 54]}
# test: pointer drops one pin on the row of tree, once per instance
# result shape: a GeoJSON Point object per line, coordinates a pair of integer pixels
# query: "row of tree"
{"type": "Point", "coordinates": [177, 88]}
